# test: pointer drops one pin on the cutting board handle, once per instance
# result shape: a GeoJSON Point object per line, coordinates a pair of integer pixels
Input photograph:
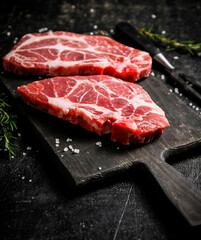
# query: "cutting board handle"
{"type": "Point", "coordinates": [183, 194]}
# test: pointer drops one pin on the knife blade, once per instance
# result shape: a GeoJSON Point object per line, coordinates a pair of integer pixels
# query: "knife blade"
{"type": "Point", "coordinates": [186, 82]}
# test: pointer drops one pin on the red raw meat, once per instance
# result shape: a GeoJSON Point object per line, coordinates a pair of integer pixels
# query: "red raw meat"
{"type": "Point", "coordinates": [99, 103]}
{"type": "Point", "coordinates": [67, 54]}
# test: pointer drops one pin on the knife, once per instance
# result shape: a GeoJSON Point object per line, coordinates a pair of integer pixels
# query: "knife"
{"type": "Point", "coordinates": [186, 82]}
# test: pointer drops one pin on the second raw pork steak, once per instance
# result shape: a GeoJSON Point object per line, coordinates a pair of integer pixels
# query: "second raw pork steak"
{"type": "Point", "coordinates": [99, 103]}
{"type": "Point", "coordinates": [67, 54]}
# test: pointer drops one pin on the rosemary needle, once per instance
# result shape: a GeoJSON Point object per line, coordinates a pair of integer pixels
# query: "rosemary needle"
{"type": "Point", "coordinates": [7, 125]}
{"type": "Point", "coordinates": [189, 46]}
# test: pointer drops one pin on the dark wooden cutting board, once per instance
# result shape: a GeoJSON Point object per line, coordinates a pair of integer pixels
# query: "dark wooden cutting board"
{"type": "Point", "coordinates": [94, 163]}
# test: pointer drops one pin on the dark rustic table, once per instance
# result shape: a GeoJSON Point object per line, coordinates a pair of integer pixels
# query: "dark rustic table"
{"type": "Point", "coordinates": [35, 201]}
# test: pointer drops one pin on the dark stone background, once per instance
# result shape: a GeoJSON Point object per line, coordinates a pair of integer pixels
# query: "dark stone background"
{"type": "Point", "coordinates": [35, 202]}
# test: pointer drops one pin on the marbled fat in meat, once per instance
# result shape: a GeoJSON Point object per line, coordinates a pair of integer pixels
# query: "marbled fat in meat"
{"type": "Point", "coordinates": [67, 54]}
{"type": "Point", "coordinates": [99, 103]}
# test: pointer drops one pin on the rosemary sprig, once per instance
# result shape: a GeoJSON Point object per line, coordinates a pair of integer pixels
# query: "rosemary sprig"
{"type": "Point", "coordinates": [189, 46]}
{"type": "Point", "coordinates": [7, 125]}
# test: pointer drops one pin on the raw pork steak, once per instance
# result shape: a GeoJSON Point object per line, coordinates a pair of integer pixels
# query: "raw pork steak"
{"type": "Point", "coordinates": [65, 54]}
{"type": "Point", "coordinates": [99, 103]}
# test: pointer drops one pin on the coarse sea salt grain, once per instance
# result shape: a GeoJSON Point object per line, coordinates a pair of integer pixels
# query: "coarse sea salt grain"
{"type": "Point", "coordinates": [15, 40]}
{"type": "Point", "coordinates": [65, 149]}
{"type": "Point", "coordinates": [76, 150]}
{"type": "Point", "coordinates": [163, 32]}
{"type": "Point", "coordinates": [153, 74]}
{"type": "Point", "coordinates": [176, 57]}
{"type": "Point", "coordinates": [42, 29]}
{"type": "Point", "coordinates": [176, 90]}
{"type": "Point", "coordinates": [69, 140]}
{"type": "Point", "coordinates": [29, 148]}
{"type": "Point", "coordinates": [70, 147]}
{"type": "Point", "coordinates": [163, 77]}
{"type": "Point", "coordinates": [99, 144]}
{"type": "Point", "coordinates": [153, 16]}
{"type": "Point", "coordinates": [95, 27]}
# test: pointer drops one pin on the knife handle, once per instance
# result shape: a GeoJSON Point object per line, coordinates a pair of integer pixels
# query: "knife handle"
{"type": "Point", "coordinates": [126, 30]}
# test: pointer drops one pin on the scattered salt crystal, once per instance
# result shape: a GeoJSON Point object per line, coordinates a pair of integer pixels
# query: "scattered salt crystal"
{"type": "Point", "coordinates": [99, 144]}
{"type": "Point", "coordinates": [153, 74]}
{"type": "Point", "coordinates": [190, 104]}
{"type": "Point", "coordinates": [162, 76]}
{"type": "Point", "coordinates": [12, 156]}
{"type": "Point", "coordinates": [42, 29]}
{"type": "Point", "coordinates": [176, 90]}
{"type": "Point", "coordinates": [91, 10]}
{"type": "Point", "coordinates": [15, 40]}
{"type": "Point", "coordinates": [73, 6]}
{"type": "Point", "coordinates": [163, 32]}
{"type": "Point", "coordinates": [95, 27]}
{"type": "Point", "coordinates": [57, 145]}
{"type": "Point", "coordinates": [9, 26]}
{"type": "Point", "coordinates": [62, 155]}
{"type": "Point", "coordinates": [111, 31]}
{"type": "Point", "coordinates": [118, 148]}
{"type": "Point", "coordinates": [69, 140]}
{"type": "Point", "coordinates": [153, 16]}
{"type": "Point", "coordinates": [8, 34]}
{"type": "Point", "coordinates": [19, 134]}
{"type": "Point", "coordinates": [197, 109]}
{"type": "Point", "coordinates": [65, 149]}
{"type": "Point", "coordinates": [57, 140]}
{"type": "Point", "coordinates": [76, 150]}
{"type": "Point", "coordinates": [29, 148]}
{"type": "Point", "coordinates": [99, 168]}
{"type": "Point", "coordinates": [5, 149]}
{"type": "Point", "coordinates": [70, 147]}
{"type": "Point", "coordinates": [24, 154]}
{"type": "Point", "coordinates": [176, 57]}
{"type": "Point", "coordinates": [91, 33]}
{"type": "Point", "coordinates": [180, 94]}
{"type": "Point", "coordinates": [23, 177]}
{"type": "Point", "coordinates": [30, 180]}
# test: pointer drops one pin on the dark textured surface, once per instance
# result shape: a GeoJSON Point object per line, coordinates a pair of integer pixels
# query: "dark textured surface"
{"type": "Point", "coordinates": [35, 202]}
